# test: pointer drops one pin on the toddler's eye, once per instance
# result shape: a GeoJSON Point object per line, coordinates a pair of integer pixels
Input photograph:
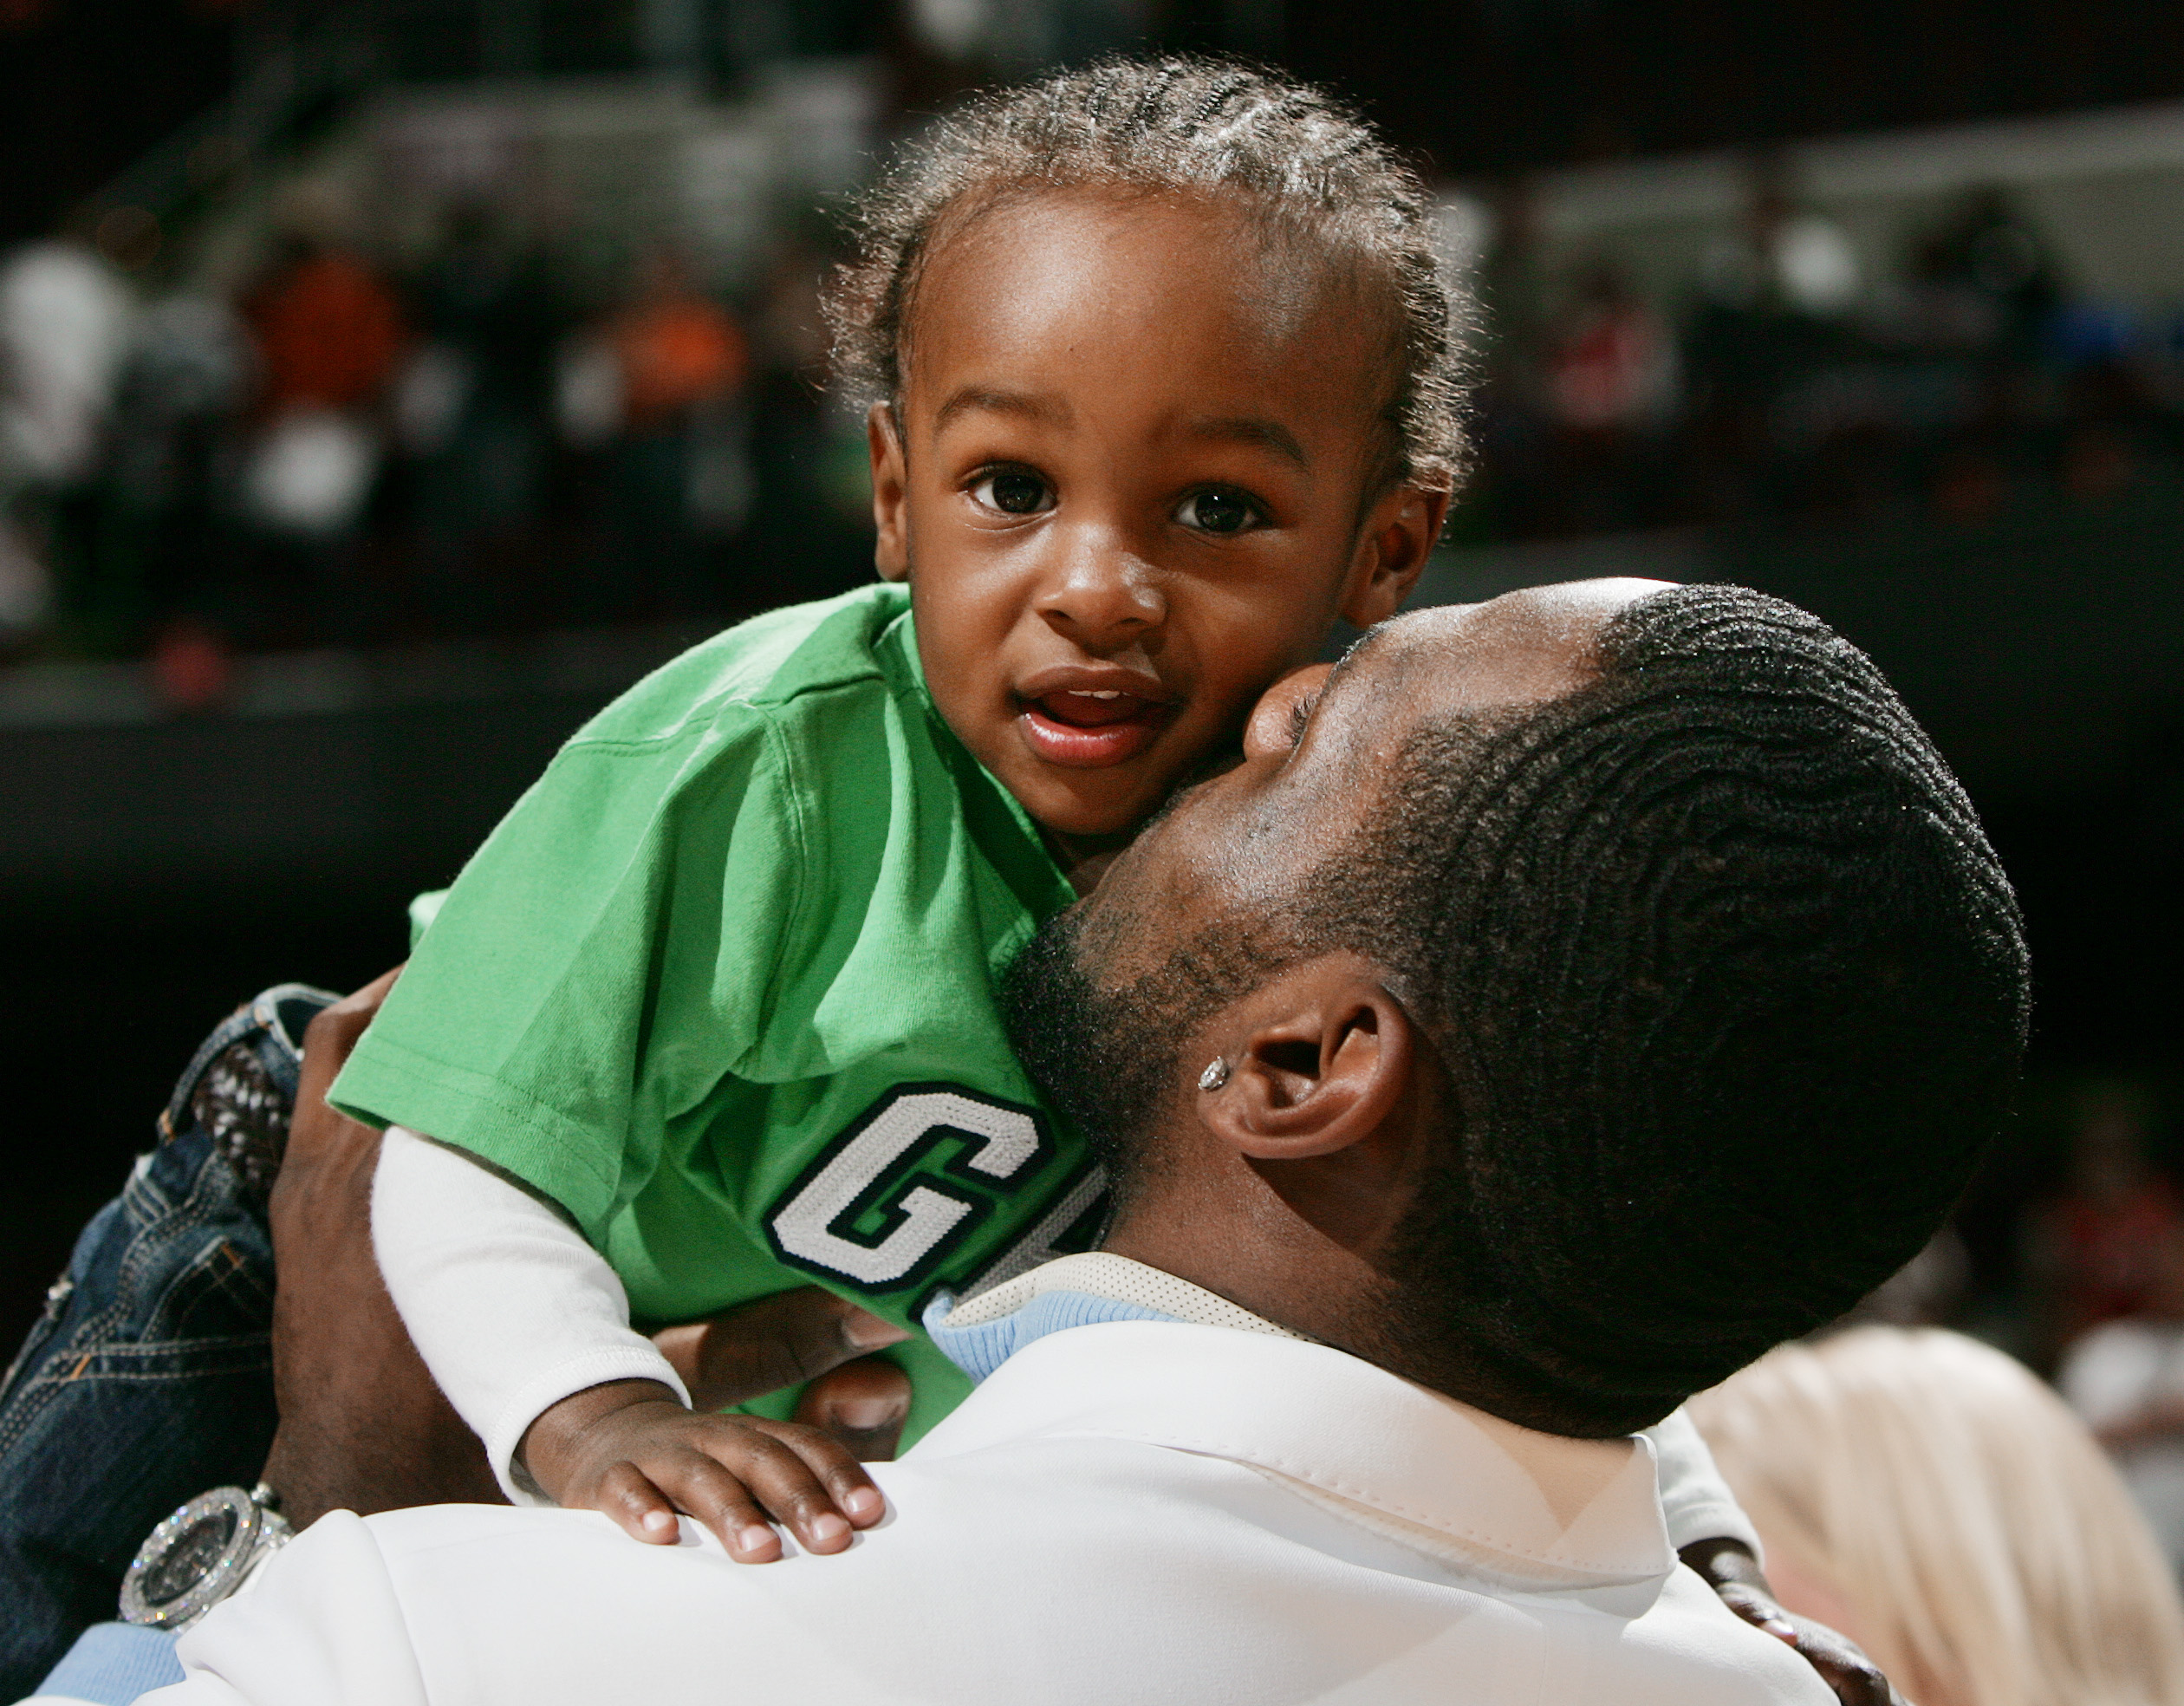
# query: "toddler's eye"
{"type": "Point", "coordinates": [1013, 493]}
{"type": "Point", "coordinates": [1218, 512]}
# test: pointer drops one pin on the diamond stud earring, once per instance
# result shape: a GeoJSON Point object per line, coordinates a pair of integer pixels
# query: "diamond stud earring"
{"type": "Point", "coordinates": [1215, 1075]}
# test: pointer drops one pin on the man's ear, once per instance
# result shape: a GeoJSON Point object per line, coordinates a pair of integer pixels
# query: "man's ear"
{"type": "Point", "coordinates": [1393, 547]}
{"type": "Point", "coordinates": [890, 493]}
{"type": "Point", "coordinates": [1320, 1101]}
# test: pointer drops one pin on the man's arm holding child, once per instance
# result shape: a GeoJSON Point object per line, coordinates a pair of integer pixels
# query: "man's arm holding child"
{"type": "Point", "coordinates": [1734, 1572]}
{"type": "Point", "coordinates": [363, 1427]}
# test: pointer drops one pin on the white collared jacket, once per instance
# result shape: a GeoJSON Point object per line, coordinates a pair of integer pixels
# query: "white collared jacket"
{"type": "Point", "coordinates": [1135, 1510]}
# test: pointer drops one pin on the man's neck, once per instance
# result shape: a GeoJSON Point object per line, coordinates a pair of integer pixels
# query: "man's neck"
{"type": "Point", "coordinates": [1278, 1268]}
{"type": "Point", "coordinates": [1320, 1292]}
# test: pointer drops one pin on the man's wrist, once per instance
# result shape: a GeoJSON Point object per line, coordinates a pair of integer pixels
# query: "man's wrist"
{"type": "Point", "coordinates": [1729, 1567]}
{"type": "Point", "coordinates": [1726, 1562]}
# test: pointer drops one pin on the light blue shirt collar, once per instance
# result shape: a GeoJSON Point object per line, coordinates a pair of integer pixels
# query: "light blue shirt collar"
{"type": "Point", "coordinates": [980, 1350]}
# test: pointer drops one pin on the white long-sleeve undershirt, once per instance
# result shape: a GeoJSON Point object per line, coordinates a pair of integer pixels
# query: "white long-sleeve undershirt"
{"type": "Point", "coordinates": [511, 1310]}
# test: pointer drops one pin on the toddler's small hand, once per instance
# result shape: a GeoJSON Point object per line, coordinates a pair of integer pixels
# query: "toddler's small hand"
{"type": "Point", "coordinates": [630, 1450]}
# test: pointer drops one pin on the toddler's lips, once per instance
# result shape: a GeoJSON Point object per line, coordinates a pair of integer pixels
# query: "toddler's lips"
{"type": "Point", "coordinates": [1091, 731]}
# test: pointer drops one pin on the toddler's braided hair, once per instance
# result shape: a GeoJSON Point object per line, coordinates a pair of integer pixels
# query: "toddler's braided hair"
{"type": "Point", "coordinates": [1304, 167]}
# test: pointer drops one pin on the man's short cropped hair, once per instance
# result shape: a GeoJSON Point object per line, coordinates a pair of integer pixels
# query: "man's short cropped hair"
{"type": "Point", "coordinates": [1730, 989]}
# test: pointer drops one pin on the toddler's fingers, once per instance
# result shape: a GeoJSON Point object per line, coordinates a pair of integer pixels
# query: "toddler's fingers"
{"type": "Point", "coordinates": [834, 1460]}
{"type": "Point", "coordinates": [626, 1494]}
{"type": "Point", "coordinates": [717, 1498]}
{"type": "Point", "coordinates": [832, 1467]}
{"type": "Point", "coordinates": [786, 1468]}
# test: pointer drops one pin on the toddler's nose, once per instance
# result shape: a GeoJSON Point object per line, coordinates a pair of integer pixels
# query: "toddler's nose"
{"type": "Point", "coordinates": [1101, 595]}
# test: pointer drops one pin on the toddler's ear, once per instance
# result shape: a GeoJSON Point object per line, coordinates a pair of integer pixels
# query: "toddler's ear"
{"type": "Point", "coordinates": [890, 493]}
{"type": "Point", "coordinates": [1392, 546]}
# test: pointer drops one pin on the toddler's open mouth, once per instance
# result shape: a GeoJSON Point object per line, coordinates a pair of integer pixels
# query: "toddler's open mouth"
{"type": "Point", "coordinates": [1089, 730]}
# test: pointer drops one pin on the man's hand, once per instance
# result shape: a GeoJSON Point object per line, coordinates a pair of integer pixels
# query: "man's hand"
{"type": "Point", "coordinates": [629, 1450]}
{"type": "Point", "coordinates": [1734, 1574]}
{"type": "Point", "coordinates": [862, 1403]}
{"type": "Point", "coordinates": [807, 1335]}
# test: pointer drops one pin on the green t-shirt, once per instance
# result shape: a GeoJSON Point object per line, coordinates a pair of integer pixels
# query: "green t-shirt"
{"type": "Point", "coordinates": [722, 985]}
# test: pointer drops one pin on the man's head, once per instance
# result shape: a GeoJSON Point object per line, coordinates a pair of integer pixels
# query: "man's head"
{"type": "Point", "coordinates": [1609, 982]}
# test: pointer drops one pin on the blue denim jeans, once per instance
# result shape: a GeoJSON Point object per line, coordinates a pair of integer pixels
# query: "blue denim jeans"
{"type": "Point", "coordinates": [149, 1376]}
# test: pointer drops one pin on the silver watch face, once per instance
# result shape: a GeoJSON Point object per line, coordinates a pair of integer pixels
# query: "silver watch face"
{"type": "Point", "coordinates": [195, 1559]}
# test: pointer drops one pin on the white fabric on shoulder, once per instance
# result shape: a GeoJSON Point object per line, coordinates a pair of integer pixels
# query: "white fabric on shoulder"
{"type": "Point", "coordinates": [1157, 1464]}
{"type": "Point", "coordinates": [510, 1308]}
{"type": "Point", "coordinates": [1695, 1501]}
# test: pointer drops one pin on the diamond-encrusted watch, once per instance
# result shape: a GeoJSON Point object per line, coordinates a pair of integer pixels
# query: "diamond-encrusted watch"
{"type": "Point", "coordinates": [201, 1554]}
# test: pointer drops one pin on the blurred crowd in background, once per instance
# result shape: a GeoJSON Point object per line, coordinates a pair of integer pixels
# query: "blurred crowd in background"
{"type": "Point", "coordinates": [343, 432]}
{"type": "Point", "coordinates": [431, 378]}
{"type": "Point", "coordinates": [352, 359]}
{"type": "Point", "coordinates": [372, 418]}
{"type": "Point", "coordinates": [1790, 380]}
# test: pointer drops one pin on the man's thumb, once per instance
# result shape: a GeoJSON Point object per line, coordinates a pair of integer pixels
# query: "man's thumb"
{"type": "Point", "coordinates": [863, 1405]}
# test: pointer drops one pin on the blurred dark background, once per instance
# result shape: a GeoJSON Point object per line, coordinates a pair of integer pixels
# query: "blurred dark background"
{"type": "Point", "coordinates": [385, 385]}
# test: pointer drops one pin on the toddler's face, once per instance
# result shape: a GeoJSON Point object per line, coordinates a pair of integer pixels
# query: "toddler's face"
{"type": "Point", "coordinates": [1126, 489]}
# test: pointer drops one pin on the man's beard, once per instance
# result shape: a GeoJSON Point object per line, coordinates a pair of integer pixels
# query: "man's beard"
{"type": "Point", "coordinates": [1110, 1057]}
{"type": "Point", "coordinates": [1107, 1060]}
